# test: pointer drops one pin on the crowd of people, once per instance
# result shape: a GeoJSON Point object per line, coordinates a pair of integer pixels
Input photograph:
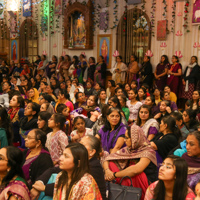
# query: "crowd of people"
{"type": "Point", "coordinates": [65, 132]}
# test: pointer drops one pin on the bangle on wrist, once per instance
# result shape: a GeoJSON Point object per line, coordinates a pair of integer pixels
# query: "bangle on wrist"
{"type": "Point", "coordinates": [114, 174]}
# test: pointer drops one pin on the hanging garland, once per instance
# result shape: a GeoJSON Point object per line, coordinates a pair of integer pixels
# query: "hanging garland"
{"type": "Point", "coordinates": [125, 17]}
{"type": "Point", "coordinates": [165, 9]}
{"type": "Point", "coordinates": [143, 6]}
{"type": "Point", "coordinates": [5, 19]}
{"type": "Point", "coordinates": [97, 13]}
{"type": "Point", "coordinates": [186, 8]}
{"type": "Point", "coordinates": [153, 10]}
{"type": "Point", "coordinates": [93, 16]}
{"type": "Point", "coordinates": [44, 17]}
{"type": "Point", "coordinates": [173, 16]}
{"type": "Point", "coordinates": [19, 17]}
{"type": "Point", "coordinates": [36, 14]}
{"type": "Point", "coordinates": [115, 14]}
{"type": "Point", "coordinates": [51, 18]}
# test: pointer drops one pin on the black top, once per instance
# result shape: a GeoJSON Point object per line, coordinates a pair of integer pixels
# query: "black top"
{"type": "Point", "coordinates": [165, 143]}
{"type": "Point", "coordinates": [194, 74]}
{"type": "Point", "coordinates": [39, 166]}
{"type": "Point", "coordinates": [103, 70]}
{"type": "Point", "coordinates": [146, 71]}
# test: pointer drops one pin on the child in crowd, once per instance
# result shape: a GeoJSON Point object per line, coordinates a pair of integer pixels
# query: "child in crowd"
{"type": "Point", "coordinates": [57, 140]}
{"type": "Point", "coordinates": [80, 129]}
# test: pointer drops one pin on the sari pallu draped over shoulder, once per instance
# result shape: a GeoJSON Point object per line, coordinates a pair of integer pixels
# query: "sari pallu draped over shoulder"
{"type": "Point", "coordinates": [140, 148]}
{"type": "Point", "coordinates": [15, 188]}
{"type": "Point", "coordinates": [85, 189]}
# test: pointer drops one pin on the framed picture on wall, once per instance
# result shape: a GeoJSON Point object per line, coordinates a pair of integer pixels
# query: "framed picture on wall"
{"type": "Point", "coordinates": [196, 12]}
{"type": "Point", "coordinates": [14, 50]}
{"type": "Point", "coordinates": [104, 48]}
{"type": "Point", "coordinates": [162, 30]}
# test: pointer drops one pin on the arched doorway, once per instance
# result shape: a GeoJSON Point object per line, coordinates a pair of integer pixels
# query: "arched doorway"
{"type": "Point", "coordinates": [28, 40]}
{"type": "Point", "coordinates": [133, 34]}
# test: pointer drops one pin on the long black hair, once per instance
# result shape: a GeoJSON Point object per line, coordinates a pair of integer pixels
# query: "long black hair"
{"type": "Point", "coordinates": [44, 115]}
{"type": "Point", "coordinates": [138, 117]}
{"type": "Point", "coordinates": [15, 162]}
{"type": "Point", "coordinates": [5, 123]}
{"type": "Point", "coordinates": [115, 100]}
{"type": "Point", "coordinates": [166, 59]}
{"type": "Point", "coordinates": [180, 189]}
{"type": "Point", "coordinates": [81, 167]}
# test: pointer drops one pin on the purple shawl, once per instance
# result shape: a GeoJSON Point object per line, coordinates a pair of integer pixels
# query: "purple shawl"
{"type": "Point", "coordinates": [106, 137]}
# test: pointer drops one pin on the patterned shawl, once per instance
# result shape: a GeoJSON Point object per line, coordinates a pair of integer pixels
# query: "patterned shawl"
{"type": "Point", "coordinates": [141, 148]}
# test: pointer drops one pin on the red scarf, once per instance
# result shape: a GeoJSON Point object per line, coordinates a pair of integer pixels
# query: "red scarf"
{"type": "Point", "coordinates": [12, 112]}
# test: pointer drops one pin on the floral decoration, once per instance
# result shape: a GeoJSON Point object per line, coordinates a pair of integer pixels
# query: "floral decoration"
{"type": "Point", "coordinates": [173, 16]}
{"type": "Point", "coordinates": [186, 15]}
{"type": "Point", "coordinates": [153, 10]}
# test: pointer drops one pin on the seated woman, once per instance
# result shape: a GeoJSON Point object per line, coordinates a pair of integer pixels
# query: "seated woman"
{"type": "Point", "coordinates": [80, 100]}
{"type": "Point", "coordinates": [16, 112]}
{"type": "Point", "coordinates": [167, 139]}
{"type": "Point", "coordinates": [42, 122]}
{"type": "Point", "coordinates": [192, 157]}
{"type": "Point", "coordinates": [149, 125]}
{"type": "Point", "coordinates": [142, 95]}
{"type": "Point", "coordinates": [29, 121]}
{"type": "Point", "coordinates": [33, 95]}
{"type": "Point", "coordinates": [172, 183]}
{"type": "Point", "coordinates": [156, 94]}
{"type": "Point", "coordinates": [75, 182]}
{"type": "Point", "coordinates": [13, 184]}
{"type": "Point", "coordinates": [93, 146]}
{"type": "Point", "coordinates": [47, 107]}
{"type": "Point", "coordinates": [189, 119]}
{"type": "Point", "coordinates": [36, 158]}
{"type": "Point", "coordinates": [137, 160]}
{"type": "Point", "coordinates": [150, 101]}
{"type": "Point", "coordinates": [113, 132]}
{"type": "Point", "coordinates": [80, 130]}
{"type": "Point", "coordinates": [125, 109]}
{"type": "Point", "coordinates": [102, 98]}
{"type": "Point", "coordinates": [6, 132]}
{"type": "Point", "coordinates": [57, 140]}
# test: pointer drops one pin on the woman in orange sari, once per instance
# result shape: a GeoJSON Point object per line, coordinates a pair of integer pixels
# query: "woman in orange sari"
{"type": "Point", "coordinates": [174, 75]}
{"type": "Point", "coordinates": [75, 182]}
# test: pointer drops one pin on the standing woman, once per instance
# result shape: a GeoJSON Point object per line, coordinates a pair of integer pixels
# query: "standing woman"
{"type": "Point", "coordinates": [81, 68]}
{"type": "Point", "coordinates": [146, 72]}
{"type": "Point", "coordinates": [174, 75]}
{"type": "Point", "coordinates": [133, 105]}
{"type": "Point", "coordinates": [133, 69]}
{"type": "Point", "coordinates": [119, 71]}
{"type": "Point", "coordinates": [65, 66]}
{"type": "Point", "coordinates": [75, 182]}
{"type": "Point", "coordinates": [190, 78]}
{"type": "Point", "coordinates": [13, 185]}
{"type": "Point", "coordinates": [161, 73]}
{"type": "Point", "coordinates": [89, 72]}
{"type": "Point", "coordinates": [172, 183]}
{"type": "Point", "coordinates": [16, 112]}
{"type": "Point", "coordinates": [100, 71]}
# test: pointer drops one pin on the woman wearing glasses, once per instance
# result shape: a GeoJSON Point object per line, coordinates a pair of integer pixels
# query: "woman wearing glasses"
{"type": "Point", "coordinates": [36, 158]}
{"type": "Point", "coordinates": [12, 185]}
{"type": "Point", "coordinates": [172, 183]}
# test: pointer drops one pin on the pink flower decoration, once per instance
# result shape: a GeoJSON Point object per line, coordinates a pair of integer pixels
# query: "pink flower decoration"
{"type": "Point", "coordinates": [44, 53]}
{"type": "Point", "coordinates": [178, 54]}
{"type": "Point", "coordinates": [163, 44]}
{"type": "Point", "coordinates": [83, 53]}
{"type": "Point", "coordinates": [116, 53]}
{"type": "Point", "coordinates": [179, 33]}
{"type": "Point", "coordinates": [63, 53]}
{"type": "Point", "coordinates": [55, 45]}
{"type": "Point", "coordinates": [196, 44]}
{"type": "Point", "coordinates": [44, 38]}
{"type": "Point", "coordinates": [179, 14]}
{"type": "Point", "coordinates": [149, 53]}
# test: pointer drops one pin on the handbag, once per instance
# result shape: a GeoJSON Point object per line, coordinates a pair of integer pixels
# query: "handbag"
{"type": "Point", "coordinates": [121, 192]}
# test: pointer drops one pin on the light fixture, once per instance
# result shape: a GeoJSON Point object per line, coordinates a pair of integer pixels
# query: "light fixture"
{"type": "Point", "coordinates": [13, 5]}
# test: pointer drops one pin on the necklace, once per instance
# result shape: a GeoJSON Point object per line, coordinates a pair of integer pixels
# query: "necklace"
{"type": "Point", "coordinates": [168, 196]}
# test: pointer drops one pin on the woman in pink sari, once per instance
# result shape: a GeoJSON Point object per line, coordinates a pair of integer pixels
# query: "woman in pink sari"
{"type": "Point", "coordinates": [137, 160]}
{"type": "Point", "coordinates": [13, 184]}
{"type": "Point", "coordinates": [174, 75]}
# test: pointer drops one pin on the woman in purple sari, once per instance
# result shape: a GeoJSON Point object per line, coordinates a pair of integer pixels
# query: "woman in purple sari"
{"type": "Point", "coordinates": [13, 184]}
{"type": "Point", "coordinates": [174, 75]}
{"type": "Point", "coordinates": [161, 73]}
{"type": "Point", "coordinates": [113, 132]}
{"type": "Point", "coordinates": [192, 157]}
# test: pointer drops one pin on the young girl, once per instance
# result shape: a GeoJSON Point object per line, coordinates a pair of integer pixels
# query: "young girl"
{"type": "Point", "coordinates": [142, 95]}
{"type": "Point", "coordinates": [125, 109]}
{"type": "Point", "coordinates": [6, 132]}
{"type": "Point", "coordinates": [42, 122]}
{"type": "Point", "coordinates": [80, 130]}
{"type": "Point", "coordinates": [110, 91]}
{"type": "Point", "coordinates": [16, 112]}
{"type": "Point", "coordinates": [29, 121]}
{"type": "Point", "coordinates": [57, 140]}
{"type": "Point", "coordinates": [133, 105]}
